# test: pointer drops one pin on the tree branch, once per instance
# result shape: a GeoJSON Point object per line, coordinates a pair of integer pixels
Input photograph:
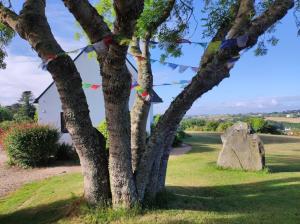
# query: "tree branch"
{"type": "Point", "coordinates": [127, 13]}
{"type": "Point", "coordinates": [243, 18]}
{"type": "Point", "coordinates": [89, 19]}
{"type": "Point", "coordinates": [207, 77]}
{"type": "Point", "coordinates": [161, 19]}
{"type": "Point", "coordinates": [8, 17]}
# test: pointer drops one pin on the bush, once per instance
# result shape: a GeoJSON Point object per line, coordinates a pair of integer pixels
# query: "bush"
{"type": "Point", "coordinates": [223, 126]}
{"type": "Point", "coordinates": [212, 125]}
{"type": "Point", "coordinates": [180, 134]}
{"type": "Point", "coordinates": [31, 145]}
{"type": "Point", "coordinates": [5, 114]}
{"type": "Point", "coordinates": [102, 127]}
{"type": "Point", "coordinates": [66, 152]}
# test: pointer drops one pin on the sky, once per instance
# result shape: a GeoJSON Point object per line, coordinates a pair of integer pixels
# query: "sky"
{"type": "Point", "coordinates": [256, 84]}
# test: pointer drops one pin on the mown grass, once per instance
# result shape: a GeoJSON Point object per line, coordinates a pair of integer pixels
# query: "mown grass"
{"type": "Point", "coordinates": [197, 192]}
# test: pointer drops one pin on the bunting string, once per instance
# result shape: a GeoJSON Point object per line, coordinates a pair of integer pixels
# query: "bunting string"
{"type": "Point", "coordinates": [138, 88]}
{"type": "Point", "coordinates": [102, 47]}
{"type": "Point", "coordinates": [173, 66]}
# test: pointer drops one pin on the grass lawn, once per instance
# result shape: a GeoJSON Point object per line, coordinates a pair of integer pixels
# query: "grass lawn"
{"type": "Point", "coordinates": [198, 192]}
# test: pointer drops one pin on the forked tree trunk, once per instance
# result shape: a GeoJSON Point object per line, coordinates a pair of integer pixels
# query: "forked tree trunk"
{"type": "Point", "coordinates": [32, 26]}
{"type": "Point", "coordinates": [116, 88]}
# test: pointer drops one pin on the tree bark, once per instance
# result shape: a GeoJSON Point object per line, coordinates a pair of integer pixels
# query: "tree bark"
{"type": "Point", "coordinates": [32, 26]}
{"type": "Point", "coordinates": [141, 107]}
{"type": "Point", "coordinates": [211, 73]}
{"type": "Point", "coordinates": [159, 170]}
{"type": "Point", "coordinates": [116, 89]}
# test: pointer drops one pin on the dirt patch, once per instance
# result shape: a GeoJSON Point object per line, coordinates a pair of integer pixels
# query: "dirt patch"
{"type": "Point", "coordinates": [181, 150]}
{"type": "Point", "coordinates": [12, 178]}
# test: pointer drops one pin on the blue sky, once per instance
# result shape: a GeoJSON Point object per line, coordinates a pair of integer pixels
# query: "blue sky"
{"type": "Point", "coordinates": [256, 84]}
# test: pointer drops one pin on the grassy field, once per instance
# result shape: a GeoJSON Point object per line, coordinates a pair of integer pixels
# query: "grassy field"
{"type": "Point", "coordinates": [198, 192]}
{"type": "Point", "coordinates": [284, 119]}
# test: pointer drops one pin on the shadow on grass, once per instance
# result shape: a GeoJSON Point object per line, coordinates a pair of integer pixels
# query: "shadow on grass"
{"type": "Point", "coordinates": [266, 196]}
{"type": "Point", "coordinates": [282, 163]}
{"type": "Point", "coordinates": [199, 148]}
{"type": "Point", "coordinates": [43, 214]}
{"type": "Point", "coordinates": [205, 138]}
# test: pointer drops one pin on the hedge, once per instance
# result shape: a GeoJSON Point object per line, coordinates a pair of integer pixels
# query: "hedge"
{"type": "Point", "coordinates": [31, 145]}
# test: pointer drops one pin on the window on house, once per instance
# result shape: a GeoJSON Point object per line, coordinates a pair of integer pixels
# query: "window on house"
{"type": "Point", "coordinates": [63, 123]}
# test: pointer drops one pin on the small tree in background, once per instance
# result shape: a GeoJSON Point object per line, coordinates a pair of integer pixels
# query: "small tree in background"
{"type": "Point", "coordinates": [26, 110]}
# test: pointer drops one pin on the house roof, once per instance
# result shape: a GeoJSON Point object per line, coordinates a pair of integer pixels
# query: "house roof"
{"type": "Point", "coordinates": [154, 97]}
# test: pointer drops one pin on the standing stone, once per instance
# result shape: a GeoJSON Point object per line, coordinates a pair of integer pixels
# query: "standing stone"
{"type": "Point", "coordinates": [241, 149]}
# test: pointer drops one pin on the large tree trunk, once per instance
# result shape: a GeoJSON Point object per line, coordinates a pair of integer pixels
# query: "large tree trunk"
{"type": "Point", "coordinates": [32, 26]}
{"type": "Point", "coordinates": [116, 89]}
{"type": "Point", "coordinates": [213, 70]}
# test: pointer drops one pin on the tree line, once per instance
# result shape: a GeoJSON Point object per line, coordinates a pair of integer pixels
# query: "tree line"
{"type": "Point", "coordinates": [23, 110]}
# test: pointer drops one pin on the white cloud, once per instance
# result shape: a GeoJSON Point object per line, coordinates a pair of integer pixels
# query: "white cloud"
{"type": "Point", "coordinates": [22, 74]}
{"type": "Point", "coordinates": [260, 104]}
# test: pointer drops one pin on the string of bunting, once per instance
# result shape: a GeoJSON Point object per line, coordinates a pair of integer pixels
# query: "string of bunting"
{"type": "Point", "coordinates": [173, 66]}
{"type": "Point", "coordinates": [102, 47]}
{"type": "Point", "coordinates": [135, 85]}
{"type": "Point", "coordinates": [240, 42]}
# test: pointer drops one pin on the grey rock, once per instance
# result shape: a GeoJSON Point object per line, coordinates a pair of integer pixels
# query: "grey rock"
{"type": "Point", "coordinates": [241, 149]}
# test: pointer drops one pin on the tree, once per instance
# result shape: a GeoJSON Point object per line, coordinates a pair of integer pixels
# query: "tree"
{"type": "Point", "coordinates": [130, 179]}
{"type": "Point", "coordinates": [27, 109]}
{"type": "Point", "coordinates": [5, 114]}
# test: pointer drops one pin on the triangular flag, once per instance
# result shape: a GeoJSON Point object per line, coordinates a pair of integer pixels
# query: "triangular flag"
{"type": "Point", "coordinates": [242, 40]}
{"type": "Point", "coordinates": [183, 41]}
{"type": "Point", "coordinates": [140, 58]}
{"type": "Point", "coordinates": [195, 69]}
{"type": "Point", "coordinates": [86, 85]}
{"type": "Point", "coordinates": [88, 49]}
{"type": "Point", "coordinates": [153, 42]}
{"type": "Point", "coordinates": [95, 87]}
{"type": "Point", "coordinates": [133, 85]}
{"type": "Point", "coordinates": [108, 40]}
{"type": "Point", "coordinates": [183, 68]}
{"type": "Point", "coordinates": [144, 94]}
{"type": "Point", "coordinates": [204, 45]}
{"type": "Point", "coordinates": [230, 65]}
{"type": "Point", "coordinates": [183, 81]}
{"type": "Point", "coordinates": [228, 43]}
{"type": "Point", "coordinates": [100, 47]}
{"type": "Point", "coordinates": [173, 66]}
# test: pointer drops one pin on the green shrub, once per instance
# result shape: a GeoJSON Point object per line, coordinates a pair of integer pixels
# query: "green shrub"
{"type": "Point", "coordinates": [212, 125]}
{"type": "Point", "coordinates": [6, 125]}
{"type": "Point", "coordinates": [102, 127]}
{"type": "Point", "coordinates": [31, 145]}
{"type": "Point", "coordinates": [66, 152]}
{"type": "Point", "coordinates": [180, 134]}
{"type": "Point", "coordinates": [5, 114]}
{"type": "Point", "coordinates": [223, 126]}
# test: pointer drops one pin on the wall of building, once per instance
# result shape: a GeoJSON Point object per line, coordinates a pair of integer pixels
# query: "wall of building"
{"type": "Point", "coordinates": [49, 107]}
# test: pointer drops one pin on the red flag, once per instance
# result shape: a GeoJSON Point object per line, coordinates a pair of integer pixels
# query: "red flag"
{"type": "Point", "coordinates": [95, 87]}
{"type": "Point", "coordinates": [108, 40]}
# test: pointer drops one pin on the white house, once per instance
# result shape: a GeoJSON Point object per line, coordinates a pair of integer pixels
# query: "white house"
{"type": "Point", "coordinates": [49, 106]}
